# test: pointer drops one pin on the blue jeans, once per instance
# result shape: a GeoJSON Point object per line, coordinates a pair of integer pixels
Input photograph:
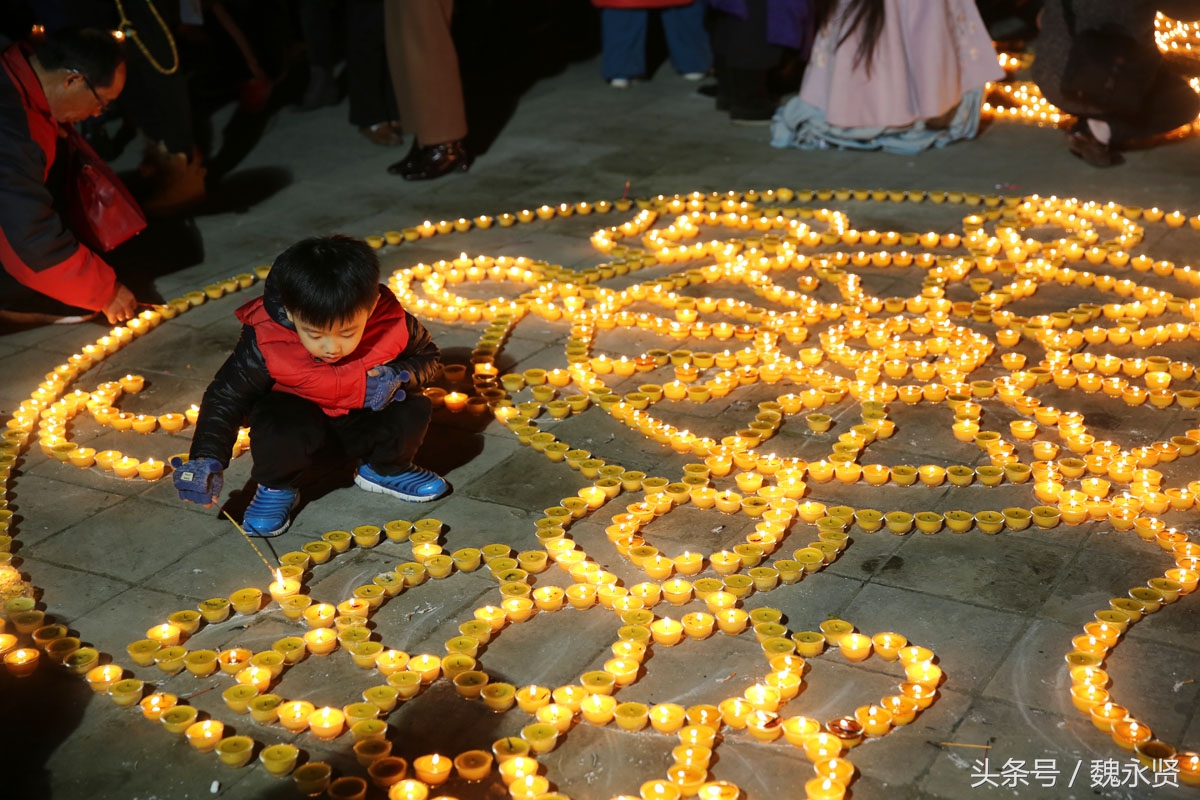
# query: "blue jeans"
{"type": "Point", "coordinates": [624, 36]}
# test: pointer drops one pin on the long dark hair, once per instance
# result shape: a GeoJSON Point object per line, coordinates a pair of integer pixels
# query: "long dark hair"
{"type": "Point", "coordinates": [869, 14]}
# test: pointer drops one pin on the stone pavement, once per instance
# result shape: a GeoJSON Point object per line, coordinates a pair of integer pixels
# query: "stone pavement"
{"type": "Point", "coordinates": [111, 558]}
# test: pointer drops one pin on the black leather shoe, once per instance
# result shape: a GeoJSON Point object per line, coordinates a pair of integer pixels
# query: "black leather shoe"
{"type": "Point", "coordinates": [405, 164]}
{"type": "Point", "coordinates": [425, 163]}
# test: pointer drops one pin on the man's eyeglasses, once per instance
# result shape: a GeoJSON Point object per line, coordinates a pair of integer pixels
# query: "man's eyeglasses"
{"type": "Point", "coordinates": [92, 89]}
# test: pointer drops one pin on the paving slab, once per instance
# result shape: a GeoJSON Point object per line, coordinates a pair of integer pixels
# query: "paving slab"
{"type": "Point", "coordinates": [40, 511]}
{"type": "Point", "coordinates": [121, 543]}
{"type": "Point", "coordinates": [71, 592]}
{"type": "Point", "coordinates": [1020, 738]}
{"type": "Point", "coordinates": [1012, 576]}
{"type": "Point", "coordinates": [970, 639]}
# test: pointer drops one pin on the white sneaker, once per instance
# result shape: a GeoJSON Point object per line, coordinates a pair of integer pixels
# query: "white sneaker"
{"type": "Point", "coordinates": [619, 83]}
{"type": "Point", "coordinates": [693, 76]}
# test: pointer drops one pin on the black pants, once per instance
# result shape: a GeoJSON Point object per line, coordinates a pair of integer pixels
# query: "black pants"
{"type": "Point", "coordinates": [368, 81]}
{"type": "Point", "coordinates": [317, 26]}
{"type": "Point", "coordinates": [743, 58]}
{"type": "Point", "coordinates": [742, 43]}
{"type": "Point", "coordinates": [1169, 103]}
{"type": "Point", "coordinates": [289, 434]}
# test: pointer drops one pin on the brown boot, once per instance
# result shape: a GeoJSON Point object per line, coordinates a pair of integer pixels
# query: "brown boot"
{"type": "Point", "coordinates": [178, 184]}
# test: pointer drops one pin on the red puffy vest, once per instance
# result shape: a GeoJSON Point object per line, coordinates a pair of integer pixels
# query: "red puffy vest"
{"type": "Point", "coordinates": [337, 388]}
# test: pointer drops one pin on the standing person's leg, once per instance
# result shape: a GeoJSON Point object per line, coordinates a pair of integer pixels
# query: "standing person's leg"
{"type": "Point", "coordinates": [372, 99]}
{"type": "Point", "coordinates": [687, 40]}
{"type": "Point", "coordinates": [623, 34]}
{"type": "Point", "coordinates": [287, 436]}
{"type": "Point", "coordinates": [745, 60]}
{"type": "Point", "coordinates": [424, 66]}
{"type": "Point", "coordinates": [387, 440]}
{"type": "Point", "coordinates": [156, 98]}
{"type": "Point", "coordinates": [316, 25]}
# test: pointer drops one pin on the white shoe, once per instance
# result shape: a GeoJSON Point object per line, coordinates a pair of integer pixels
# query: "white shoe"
{"type": "Point", "coordinates": [694, 76]}
{"type": "Point", "coordinates": [619, 83]}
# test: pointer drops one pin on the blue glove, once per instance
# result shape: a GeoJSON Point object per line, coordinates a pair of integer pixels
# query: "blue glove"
{"type": "Point", "coordinates": [199, 480]}
{"type": "Point", "coordinates": [383, 386]}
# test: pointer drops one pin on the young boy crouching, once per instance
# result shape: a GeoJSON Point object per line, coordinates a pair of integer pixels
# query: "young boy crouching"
{"type": "Point", "coordinates": [328, 360]}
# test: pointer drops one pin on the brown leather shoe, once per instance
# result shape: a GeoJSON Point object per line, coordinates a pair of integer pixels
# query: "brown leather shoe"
{"type": "Point", "coordinates": [1084, 145]}
{"type": "Point", "coordinates": [425, 163]}
{"type": "Point", "coordinates": [382, 134]}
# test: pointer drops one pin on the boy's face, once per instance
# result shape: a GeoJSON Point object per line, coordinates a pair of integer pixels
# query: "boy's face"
{"type": "Point", "coordinates": [332, 343]}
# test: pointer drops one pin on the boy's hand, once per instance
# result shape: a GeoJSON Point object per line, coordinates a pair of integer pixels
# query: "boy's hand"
{"type": "Point", "coordinates": [383, 386]}
{"type": "Point", "coordinates": [199, 480]}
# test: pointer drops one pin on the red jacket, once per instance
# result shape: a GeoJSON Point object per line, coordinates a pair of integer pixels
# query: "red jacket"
{"type": "Point", "coordinates": [392, 337]}
{"type": "Point", "coordinates": [36, 247]}
{"type": "Point", "coordinates": [337, 388]}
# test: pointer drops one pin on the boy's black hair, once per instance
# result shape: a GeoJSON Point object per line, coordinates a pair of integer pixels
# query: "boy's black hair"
{"type": "Point", "coordinates": [325, 280]}
{"type": "Point", "coordinates": [94, 54]}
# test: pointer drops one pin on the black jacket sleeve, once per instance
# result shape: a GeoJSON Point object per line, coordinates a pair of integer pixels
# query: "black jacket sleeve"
{"type": "Point", "coordinates": [238, 384]}
{"type": "Point", "coordinates": [421, 357]}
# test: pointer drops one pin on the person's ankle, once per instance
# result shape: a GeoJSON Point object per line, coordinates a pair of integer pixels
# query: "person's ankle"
{"type": "Point", "coordinates": [1100, 130]}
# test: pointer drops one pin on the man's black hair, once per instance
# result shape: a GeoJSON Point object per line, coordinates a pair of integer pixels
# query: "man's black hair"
{"type": "Point", "coordinates": [93, 53]}
{"type": "Point", "coordinates": [325, 280]}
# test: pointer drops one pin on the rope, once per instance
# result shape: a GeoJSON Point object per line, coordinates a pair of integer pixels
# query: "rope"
{"type": "Point", "coordinates": [126, 28]}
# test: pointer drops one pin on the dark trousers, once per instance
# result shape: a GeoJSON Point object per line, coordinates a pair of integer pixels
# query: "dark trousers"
{"type": "Point", "coordinates": [742, 43]}
{"type": "Point", "coordinates": [289, 434]}
{"type": "Point", "coordinates": [1169, 103]}
{"type": "Point", "coordinates": [368, 81]}
{"type": "Point", "coordinates": [743, 59]}
{"type": "Point", "coordinates": [317, 26]}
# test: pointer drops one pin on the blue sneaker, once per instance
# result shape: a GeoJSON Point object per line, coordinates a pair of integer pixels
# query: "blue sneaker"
{"type": "Point", "coordinates": [270, 512]}
{"type": "Point", "coordinates": [415, 484]}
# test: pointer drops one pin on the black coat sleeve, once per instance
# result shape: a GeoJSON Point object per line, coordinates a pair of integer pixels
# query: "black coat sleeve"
{"type": "Point", "coordinates": [421, 357]}
{"type": "Point", "coordinates": [240, 382]}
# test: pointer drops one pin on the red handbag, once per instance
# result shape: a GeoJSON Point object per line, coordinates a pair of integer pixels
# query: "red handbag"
{"type": "Point", "coordinates": [100, 210]}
